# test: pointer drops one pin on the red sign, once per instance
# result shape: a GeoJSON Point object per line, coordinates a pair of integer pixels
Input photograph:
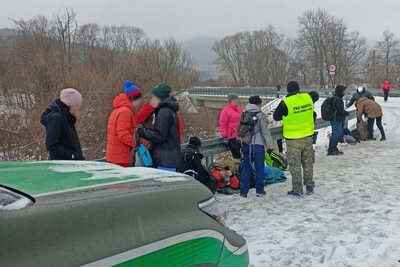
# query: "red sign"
{"type": "Point", "coordinates": [332, 69]}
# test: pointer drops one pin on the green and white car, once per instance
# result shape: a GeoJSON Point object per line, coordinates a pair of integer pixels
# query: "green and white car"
{"type": "Point", "coordinates": [97, 214]}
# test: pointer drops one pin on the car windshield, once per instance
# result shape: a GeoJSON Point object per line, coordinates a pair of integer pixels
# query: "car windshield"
{"type": "Point", "coordinates": [11, 200]}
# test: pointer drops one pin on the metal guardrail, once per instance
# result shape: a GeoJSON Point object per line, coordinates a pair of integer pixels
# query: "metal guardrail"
{"type": "Point", "coordinates": [212, 147]}
{"type": "Point", "coordinates": [240, 91]}
{"type": "Point", "coordinates": [269, 92]}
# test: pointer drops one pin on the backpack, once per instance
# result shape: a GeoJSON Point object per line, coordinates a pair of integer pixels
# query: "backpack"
{"type": "Point", "coordinates": [362, 131]}
{"type": "Point", "coordinates": [245, 131]}
{"type": "Point", "coordinates": [142, 157]}
{"type": "Point", "coordinates": [326, 109]}
{"type": "Point", "coordinates": [276, 160]}
{"type": "Point", "coordinates": [273, 175]}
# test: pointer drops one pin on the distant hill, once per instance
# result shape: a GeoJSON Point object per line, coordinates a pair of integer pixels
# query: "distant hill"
{"type": "Point", "coordinates": [200, 49]}
{"type": "Point", "coordinates": [6, 32]}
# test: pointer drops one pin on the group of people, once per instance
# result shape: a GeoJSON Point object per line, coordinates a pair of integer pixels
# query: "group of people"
{"type": "Point", "coordinates": [365, 105]}
{"type": "Point", "coordinates": [296, 111]}
{"type": "Point", "coordinates": [157, 125]}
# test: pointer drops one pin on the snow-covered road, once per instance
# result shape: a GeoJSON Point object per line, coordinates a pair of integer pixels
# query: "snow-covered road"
{"type": "Point", "coordinates": [353, 219]}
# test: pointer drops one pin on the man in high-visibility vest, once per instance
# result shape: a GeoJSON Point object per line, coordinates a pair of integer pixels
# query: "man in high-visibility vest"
{"type": "Point", "coordinates": [298, 116]}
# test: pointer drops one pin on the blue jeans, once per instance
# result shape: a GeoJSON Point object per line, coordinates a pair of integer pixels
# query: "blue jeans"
{"type": "Point", "coordinates": [336, 137]}
{"type": "Point", "coordinates": [257, 152]}
{"type": "Point", "coordinates": [167, 169]}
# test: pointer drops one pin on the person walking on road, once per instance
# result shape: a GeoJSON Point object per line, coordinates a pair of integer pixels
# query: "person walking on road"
{"type": "Point", "coordinates": [373, 111]}
{"type": "Point", "coordinates": [165, 137]}
{"type": "Point", "coordinates": [386, 87]}
{"type": "Point", "coordinates": [228, 123]}
{"type": "Point", "coordinates": [254, 151]}
{"type": "Point", "coordinates": [62, 141]}
{"type": "Point", "coordinates": [337, 121]}
{"type": "Point", "coordinates": [298, 116]}
{"type": "Point", "coordinates": [361, 92]}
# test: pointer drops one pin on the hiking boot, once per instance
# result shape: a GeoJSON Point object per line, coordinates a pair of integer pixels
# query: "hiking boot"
{"type": "Point", "coordinates": [383, 138]}
{"type": "Point", "coordinates": [263, 194]}
{"type": "Point", "coordinates": [243, 195]}
{"type": "Point", "coordinates": [334, 153]}
{"type": "Point", "coordinates": [340, 152]}
{"type": "Point", "coordinates": [371, 139]}
{"type": "Point", "coordinates": [309, 190]}
{"type": "Point", "coordinates": [294, 193]}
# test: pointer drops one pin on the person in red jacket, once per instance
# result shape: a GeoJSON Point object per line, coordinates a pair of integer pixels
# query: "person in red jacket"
{"type": "Point", "coordinates": [386, 88]}
{"type": "Point", "coordinates": [122, 125]}
{"type": "Point", "coordinates": [228, 123]}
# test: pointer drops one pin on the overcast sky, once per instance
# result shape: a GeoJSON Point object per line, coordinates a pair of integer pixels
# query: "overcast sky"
{"type": "Point", "coordinates": [184, 19]}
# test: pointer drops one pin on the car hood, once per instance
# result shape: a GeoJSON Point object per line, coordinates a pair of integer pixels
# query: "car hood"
{"type": "Point", "coordinates": [45, 177]}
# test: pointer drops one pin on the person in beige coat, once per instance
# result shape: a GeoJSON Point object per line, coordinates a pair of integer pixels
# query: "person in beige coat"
{"type": "Point", "coordinates": [373, 111]}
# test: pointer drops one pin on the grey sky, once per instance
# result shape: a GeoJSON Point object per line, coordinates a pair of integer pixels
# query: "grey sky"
{"type": "Point", "coordinates": [184, 19]}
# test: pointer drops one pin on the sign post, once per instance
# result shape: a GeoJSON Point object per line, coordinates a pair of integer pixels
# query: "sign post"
{"type": "Point", "coordinates": [332, 69]}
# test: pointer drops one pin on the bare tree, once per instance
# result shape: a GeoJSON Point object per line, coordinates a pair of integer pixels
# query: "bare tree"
{"type": "Point", "coordinates": [323, 40]}
{"type": "Point", "coordinates": [258, 58]}
{"type": "Point", "coordinates": [65, 30]}
{"type": "Point", "coordinates": [388, 53]}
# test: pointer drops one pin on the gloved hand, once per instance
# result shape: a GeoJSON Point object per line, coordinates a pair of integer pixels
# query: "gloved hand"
{"type": "Point", "coordinates": [140, 132]}
{"type": "Point", "coordinates": [269, 151]}
{"type": "Point", "coordinates": [225, 140]}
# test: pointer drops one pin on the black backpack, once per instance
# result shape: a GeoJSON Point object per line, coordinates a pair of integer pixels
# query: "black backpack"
{"type": "Point", "coordinates": [245, 131]}
{"type": "Point", "coordinates": [327, 112]}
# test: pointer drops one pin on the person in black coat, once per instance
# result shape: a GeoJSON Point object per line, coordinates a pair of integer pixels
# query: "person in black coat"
{"type": "Point", "coordinates": [337, 121]}
{"type": "Point", "coordinates": [360, 93]}
{"type": "Point", "coordinates": [165, 136]}
{"type": "Point", "coordinates": [190, 164]}
{"type": "Point", "coordinates": [59, 118]}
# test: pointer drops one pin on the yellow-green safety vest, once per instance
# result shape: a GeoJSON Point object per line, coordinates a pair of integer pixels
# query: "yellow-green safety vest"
{"type": "Point", "coordinates": [299, 122]}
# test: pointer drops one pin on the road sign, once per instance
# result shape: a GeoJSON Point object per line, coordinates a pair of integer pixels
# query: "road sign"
{"type": "Point", "coordinates": [332, 69]}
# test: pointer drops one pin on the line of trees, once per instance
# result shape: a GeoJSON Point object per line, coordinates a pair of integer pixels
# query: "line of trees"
{"type": "Point", "coordinates": [267, 58]}
{"type": "Point", "coordinates": [47, 55]}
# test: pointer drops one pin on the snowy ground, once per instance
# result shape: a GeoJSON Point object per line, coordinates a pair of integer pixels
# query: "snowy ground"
{"type": "Point", "coordinates": [353, 219]}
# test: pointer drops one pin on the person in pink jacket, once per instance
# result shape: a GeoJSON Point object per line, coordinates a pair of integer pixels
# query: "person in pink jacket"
{"type": "Point", "coordinates": [228, 124]}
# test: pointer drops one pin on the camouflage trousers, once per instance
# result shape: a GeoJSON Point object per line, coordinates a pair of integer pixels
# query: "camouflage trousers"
{"type": "Point", "coordinates": [301, 158]}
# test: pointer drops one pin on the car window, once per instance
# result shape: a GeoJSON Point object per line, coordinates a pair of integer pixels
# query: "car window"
{"type": "Point", "coordinates": [11, 199]}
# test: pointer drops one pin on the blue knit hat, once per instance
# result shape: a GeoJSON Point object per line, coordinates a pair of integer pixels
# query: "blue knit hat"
{"type": "Point", "coordinates": [131, 90]}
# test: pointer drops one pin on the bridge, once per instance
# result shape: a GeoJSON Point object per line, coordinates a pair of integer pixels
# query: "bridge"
{"type": "Point", "coordinates": [216, 97]}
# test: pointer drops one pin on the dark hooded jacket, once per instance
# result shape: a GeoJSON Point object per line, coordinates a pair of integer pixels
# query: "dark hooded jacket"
{"type": "Point", "coordinates": [165, 137]}
{"type": "Point", "coordinates": [357, 96]}
{"type": "Point", "coordinates": [338, 105]}
{"type": "Point", "coordinates": [191, 160]}
{"type": "Point", "coordinates": [62, 140]}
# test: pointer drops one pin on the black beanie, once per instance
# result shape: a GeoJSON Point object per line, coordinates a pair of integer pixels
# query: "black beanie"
{"type": "Point", "coordinates": [293, 87]}
{"type": "Point", "coordinates": [194, 140]}
{"type": "Point", "coordinates": [255, 99]}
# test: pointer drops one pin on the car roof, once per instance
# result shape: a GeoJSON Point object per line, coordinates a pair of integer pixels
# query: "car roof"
{"type": "Point", "coordinates": [43, 177]}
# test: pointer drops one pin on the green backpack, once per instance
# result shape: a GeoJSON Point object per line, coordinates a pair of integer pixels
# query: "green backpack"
{"type": "Point", "coordinates": [276, 160]}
